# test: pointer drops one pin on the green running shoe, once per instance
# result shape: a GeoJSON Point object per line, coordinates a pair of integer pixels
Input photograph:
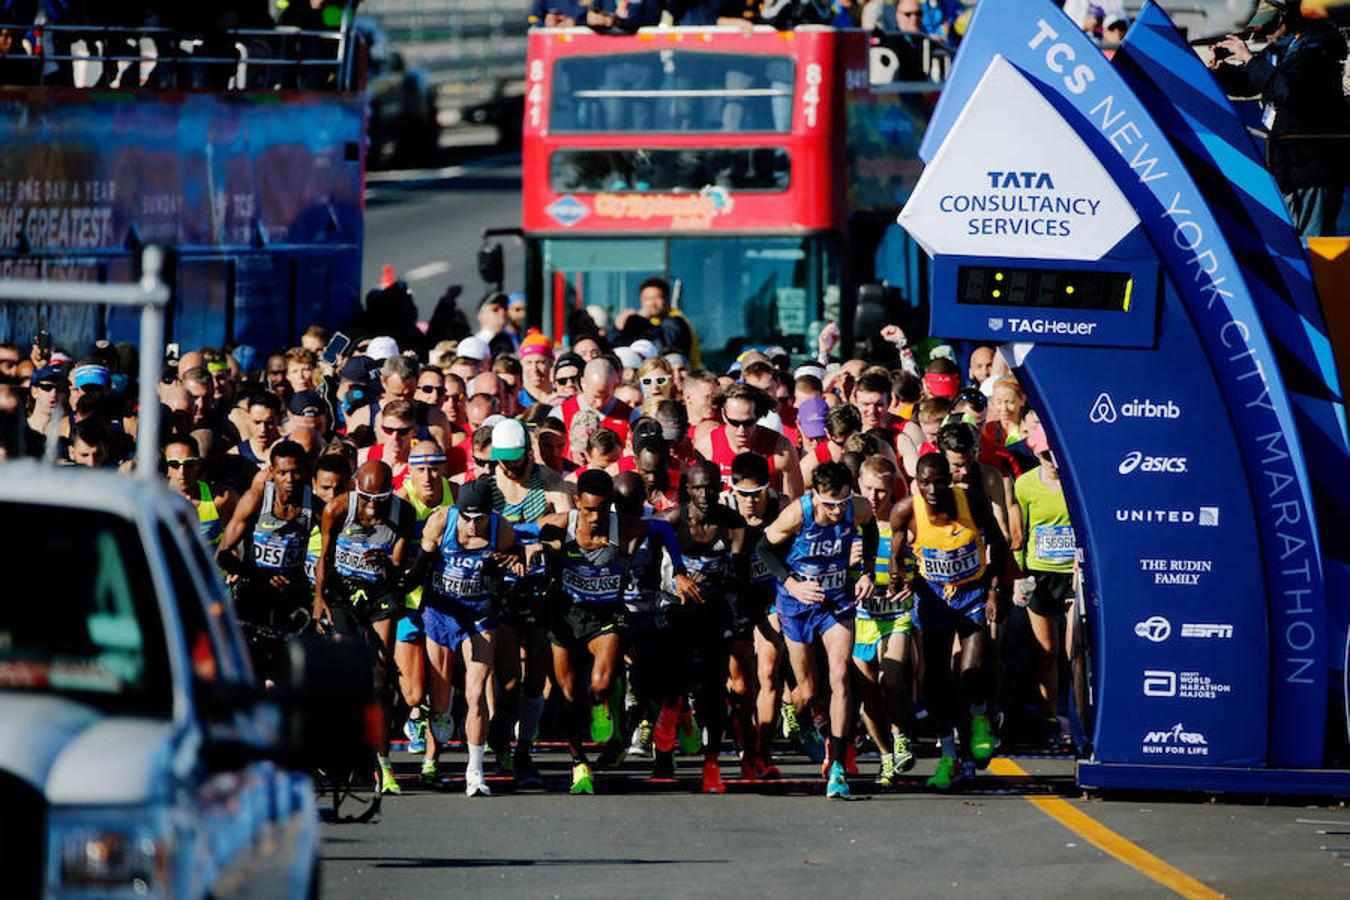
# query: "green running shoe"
{"type": "Point", "coordinates": [602, 723]}
{"type": "Point", "coordinates": [981, 739]}
{"type": "Point", "coordinates": [581, 779]}
{"type": "Point", "coordinates": [945, 775]}
{"type": "Point", "coordinates": [812, 744]}
{"type": "Point", "coordinates": [886, 777]}
{"type": "Point", "coordinates": [388, 783]}
{"type": "Point", "coordinates": [791, 727]}
{"type": "Point", "coordinates": [505, 764]}
{"type": "Point", "coordinates": [903, 754]}
{"type": "Point", "coordinates": [430, 772]}
{"type": "Point", "coordinates": [837, 787]}
{"type": "Point", "coordinates": [691, 739]}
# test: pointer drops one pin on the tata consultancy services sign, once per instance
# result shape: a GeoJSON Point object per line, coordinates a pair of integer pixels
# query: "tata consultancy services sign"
{"type": "Point", "coordinates": [1012, 179]}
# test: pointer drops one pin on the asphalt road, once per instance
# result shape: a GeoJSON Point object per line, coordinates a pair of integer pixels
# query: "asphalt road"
{"type": "Point", "coordinates": [428, 224]}
{"type": "Point", "coordinates": [639, 839]}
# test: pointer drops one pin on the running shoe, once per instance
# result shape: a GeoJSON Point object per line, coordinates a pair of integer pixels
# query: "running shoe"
{"type": "Point", "coordinates": [691, 741]}
{"type": "Point", "coordinates": [641, 744]}
{"type": "Point", "coordinates": [981, 740]}
{"type": "Point", "coordinates": [388, 783]}
{"type": "Point", "coordinates": [712, 778]}
{"type": "Point", "coordinates": [664, 765]}
{"type": "Point", "coordinates": [945, 775]}
{"type": "Point", "coordinates": [968, 770]}
{"type": "Point", "coordinates": [837, 787]}
{"type": "Point", "coordinates": [812, 744]}
{"type": "Point", "coordinates": [475, 786]}
{"type": "Point", "coordinates": [415, 730]}
{"type": "Point", "coordinates": [602, 723]}
{"type": "Point", "coordinates": [759, 769]}
{"type": "Point", "coordinates": [850, 760]}
{"type": "Point", "coordinates": [903, 754]}
{"type": "Point", "coordinates": [612, 756]}
{"type": "Point", "coordinates": [505, 764]}
{"type": "Point", "coordinates": [791, 727]}
{"type": "Point", "coordinates": [663, 735]}
{"type": "Point", "coordinates": [442, 728]}
{"type": "Point", "coordinates": [430, 772]}
{"type": "Point", "coordinates": [581, 779]}
{"type": "Point", "coordinates": [527, 774]}
{"type": "Point", "coordinates": [886, 777]}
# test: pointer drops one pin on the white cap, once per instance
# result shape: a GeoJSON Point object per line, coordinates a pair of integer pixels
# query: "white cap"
{"type": "Point", "coordinates": [508, 440]}
{"type": "Point", "coordinates": [772, 421]}
{"type": "Point", "coordinates": [809, 369]}
{"type": "Point", "coordinates": [473, 347]}
{"type": "Point", "coordinates": [630, 358]}
{"type": "Point", "coordinates": [599, 315]}
{"type": "Point", "coordinates": [942, 351]}
{"type": "Point", "coordinates": [382, 348]}
{"type": "Point", "coordinates": [644, 348]}
{"type": "Point", "coordinates": [677, 360]}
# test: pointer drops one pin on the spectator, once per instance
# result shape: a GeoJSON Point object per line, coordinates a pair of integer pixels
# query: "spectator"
{"type": "Point", "coordinates": [492, 325]}
{"type": "Point", "coordinates": [655, 321]}
{"type": "Point", "coordinates": [1298, 76]}
{"type": "Point", "coordinates": [556, 14]}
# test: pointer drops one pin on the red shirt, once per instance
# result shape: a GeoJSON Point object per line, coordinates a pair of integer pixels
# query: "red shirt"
{"type": "Point", "coordinates": [763, 444]}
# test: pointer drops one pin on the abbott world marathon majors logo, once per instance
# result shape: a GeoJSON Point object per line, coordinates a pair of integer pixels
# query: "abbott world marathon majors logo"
{"type": "Point", "coordinates": [1013, 179]}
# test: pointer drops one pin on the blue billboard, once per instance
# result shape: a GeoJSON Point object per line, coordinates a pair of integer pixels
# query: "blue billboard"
{"type": "Point", "coordinates": [1191, 444]}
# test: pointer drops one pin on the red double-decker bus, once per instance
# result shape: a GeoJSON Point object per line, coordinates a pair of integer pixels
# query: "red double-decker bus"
{"type": "Point", "coordinates": [756, 170]}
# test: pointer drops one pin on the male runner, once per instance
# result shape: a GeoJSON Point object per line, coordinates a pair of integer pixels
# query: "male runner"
{"type": "Point", "coordinates": [742, 408]}
{"type": "Point", "coordinates": [468, 541]}
{"type": "Point", "coordinates": [759, 505]}
{"type": "Point", "coordinates": [356, 587]}
{"type": "Point", "coordinates": [214, 504]}
{"type": "Point", "coordinates": [711, 540]}
{"type": "Point", "coordinates": [523, 493]}
{"type": "Point", "coordinates": [426, 491]}
{"type": "Point", "coordinates": [815, 605]}
{"type": "Point", "coordinates": [948, 535]}
{"type": "Point", "coordinates": [274, 517]}
{"type": "Point", "coordinates": [596, 545]}
{"type": "Point", "coordinates": [883, 651]}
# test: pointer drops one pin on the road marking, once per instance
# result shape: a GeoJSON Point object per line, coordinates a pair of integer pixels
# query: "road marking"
{"type": "Point", "coordinates": [1106, 840]}
{"type": "Point", "coordinates": [430, 270]}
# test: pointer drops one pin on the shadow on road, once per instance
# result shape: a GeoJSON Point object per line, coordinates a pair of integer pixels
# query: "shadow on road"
{"type": "Point", "coordinates": [409, 862]}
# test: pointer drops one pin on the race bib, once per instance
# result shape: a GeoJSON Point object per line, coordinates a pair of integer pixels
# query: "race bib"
{"type": "Point", "coordinates": [276, 551]}
{"type": "Point", "coordinates": [1054, 543]}
{"type": "Point", "coordinates": [949, 566]}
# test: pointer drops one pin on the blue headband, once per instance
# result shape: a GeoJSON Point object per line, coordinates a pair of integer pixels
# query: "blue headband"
{"type": "Point", "coordinates": [90, 373]}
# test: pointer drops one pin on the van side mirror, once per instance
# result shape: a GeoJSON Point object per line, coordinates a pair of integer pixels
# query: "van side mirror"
{"type": "Point", "coordinates": [325, 698]}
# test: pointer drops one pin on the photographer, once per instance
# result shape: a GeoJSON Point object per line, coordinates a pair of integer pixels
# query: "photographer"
{"type": "Point", "coordinates": [1298, 76]}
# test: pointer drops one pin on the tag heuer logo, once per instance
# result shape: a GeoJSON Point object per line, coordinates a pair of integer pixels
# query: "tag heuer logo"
{"type": "Point", "coordinates": [995, 324]}
{"type": "Point", "coordinates": [567, 210]}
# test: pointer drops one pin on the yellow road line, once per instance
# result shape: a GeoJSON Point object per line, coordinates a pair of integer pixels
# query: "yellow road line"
{"type": "Point", "coordinates": [1106, 840]}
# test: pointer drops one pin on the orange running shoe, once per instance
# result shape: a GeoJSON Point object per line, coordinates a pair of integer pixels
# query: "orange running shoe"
{"type": "Point", "coordinates": [712, 778]}
{"type": "Point", "coordinates": [663, 735]}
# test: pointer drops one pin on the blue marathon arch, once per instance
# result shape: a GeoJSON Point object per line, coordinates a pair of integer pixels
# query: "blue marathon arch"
{"type": "Point", "coordinates": [1110, 223]}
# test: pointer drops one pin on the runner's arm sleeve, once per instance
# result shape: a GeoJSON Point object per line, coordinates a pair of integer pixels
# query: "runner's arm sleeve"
{"type": "Point", "coordinates": [419, 570]}
{"type": "Point", "coordinates": [775, 559]}
{"type": "Point", "coordinates": [661, 532]}
{"type": "Point", "coordinates": [871, 538]}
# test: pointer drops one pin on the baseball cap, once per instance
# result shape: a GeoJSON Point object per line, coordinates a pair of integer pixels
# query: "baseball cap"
{"type": "Point", "coordinates": [677, 360]}
{"type": "Point", "coordinates": [942, 384]}
{"type": "Point", "coordinates": [496, 298]}
{"type": "Point", "coordinates": [473, 347]}
{"type": "Point", "coordinates": [475, 496]}
{"type": "Point", "coordinates": [568, 361]}
{"type": "Point", "coordinates": [358, 368]}
{"type": "Point", "coordinates": [307, 403]}
{"type": "Point", "coordinates": [90, 374]}
{"type": "Point", "coordinates": [644, 348]}
{"type": "Point", "coordinates": [1267, 11]}
{"type": "Point", "coordinates": [49, 375]}
{"type": "Point", "coordinates": [815, 371]}
{"type": "Point", "coordinates": [382, 348]}
{"type": "Point", "coordinates": [630, 358]}
{"type": "Point", "coordinates": [508, 440]}
{"type": "Point", "coordinates": [811, 417]}
{"type": "Point", "coordinates": [772, 421]}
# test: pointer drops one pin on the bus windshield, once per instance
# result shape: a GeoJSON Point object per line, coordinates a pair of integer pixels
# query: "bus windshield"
{"type": "Point", "coordinates": [737, 291]}
{"type": "Point", "coordinates": [672, 91]}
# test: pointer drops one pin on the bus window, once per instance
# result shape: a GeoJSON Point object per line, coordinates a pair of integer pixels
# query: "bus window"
{"type": "Point", "coordinates": [669, 171]}
{"type": "Point", "coordinates": [672, 90]}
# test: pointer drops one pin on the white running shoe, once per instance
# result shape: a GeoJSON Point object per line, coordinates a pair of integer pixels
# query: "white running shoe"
{"type": "Point", "coordinates": [475, 786]}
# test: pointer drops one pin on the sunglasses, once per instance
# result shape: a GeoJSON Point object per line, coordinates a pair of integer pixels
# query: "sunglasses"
{"type": "Point", "coordinates": [657, 381]}
{"type": "Point", "coordinates": [833, 504]}
{"type": "Point", "coordinates": [571, 379]}
{"type": "Point", "coordinates": [742, 423]}
{"type": "Point", "coordinates": [750, 492]}
{"type": "Point", "coordinates": [431, 389]}
{"type": "Point", "coordinates": [397, 432]}
{"type": "Point", "coordinates": [182, 463]}
{"type": "Point", "coordinates": [471, 516]}
{"type": "Point", "coordinates": [46, 386]}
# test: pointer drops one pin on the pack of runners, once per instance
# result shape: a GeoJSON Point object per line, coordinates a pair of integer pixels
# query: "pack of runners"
{"type": "Point", "coordinates": [612, 548]}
